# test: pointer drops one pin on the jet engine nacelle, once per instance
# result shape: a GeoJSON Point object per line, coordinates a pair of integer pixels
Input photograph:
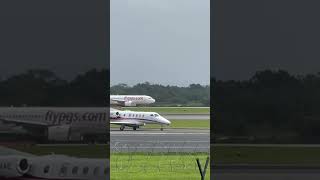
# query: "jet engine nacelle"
{"type": "Point", "coordinates": [59, 133]}
{"type": "Point", "coordinates": [13, 166]}
{"type": "Point", "coordinates": [129, 103]}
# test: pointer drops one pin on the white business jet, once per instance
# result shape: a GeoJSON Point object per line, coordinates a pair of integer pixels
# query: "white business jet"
{"type": "Point", "coordinates": [52, 167]}
{"type": "Point", "coordinates": [136, 119]}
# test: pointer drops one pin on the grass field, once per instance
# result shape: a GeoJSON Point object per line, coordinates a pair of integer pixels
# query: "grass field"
{"type": "Point", "coordinates": [172, 110]}
{"type": "Point", "coordinates": [194, 124]}
{"type": "Point", "coordinates": [87, 151]}
{"type": "Point", "coordinates": [156, 166]}
{"type": "Point", "coordinates": [220, 154]}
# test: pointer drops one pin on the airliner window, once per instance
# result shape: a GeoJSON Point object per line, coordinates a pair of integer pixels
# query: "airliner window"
{"type": "Point", "coordinates": [85, 170]}
{"type": "Point", "coordinates": [46, 169]}
{"type": "Point", "coordinates": [96, 171]}
{"type": "Point", "coordinates": [75, 170]}
{"type": "Point", "coordinates": [156, 115]}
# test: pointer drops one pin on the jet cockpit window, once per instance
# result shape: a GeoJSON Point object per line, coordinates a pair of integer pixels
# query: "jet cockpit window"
{"type": "Point", "coordinates": [156, 115]}
{"type": "Point", "coordinates": [96, 171]}
{"type": "Point", "coordinates": [46, 169]}
{"type": "Point", "coordinates": [85, 170]}
{"type": "Point", "coordinates": [63, 171]}
{"type": "Point", "coordinates": [75, 170]}
{"type": "Point", "coordinates": [151, 115]}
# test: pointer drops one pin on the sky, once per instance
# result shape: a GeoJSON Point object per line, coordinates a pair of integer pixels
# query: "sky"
{"type": "Point", "coordinates": [267, 34]}
{"type": "Point", "coordinates": [160, 41]}
{"type": "Point", "coordinates": [55, 35]}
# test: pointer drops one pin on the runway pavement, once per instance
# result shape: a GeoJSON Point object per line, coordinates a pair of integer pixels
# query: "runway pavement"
{"type": "Point", "coordinates": [154, 140]}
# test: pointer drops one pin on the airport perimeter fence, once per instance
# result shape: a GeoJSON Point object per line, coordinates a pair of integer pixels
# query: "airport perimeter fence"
{"type": "Point", "coordinates": [157, 157]}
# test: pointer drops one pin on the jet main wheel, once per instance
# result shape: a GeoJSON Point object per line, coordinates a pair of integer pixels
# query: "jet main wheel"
{"type": "Point", "coordinates": [161, 129]}
{"type": "Point", "coordinates": [134, 128]}
{"type": "Point", "coordinates": [121, 128]}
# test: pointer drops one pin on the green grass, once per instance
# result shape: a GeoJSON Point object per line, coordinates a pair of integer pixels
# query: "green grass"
{"type": "Point", "coordinates": [266, 155]}
{"type": "Point", "coordinates": [194, 124]}
{"type": "Point", "coordinates": [126, 166]}
{"type": "Point", "coordinates": [172, 110]}
{"type": "Point", "coordinates": [85, 151]}
{"type": "Point", "coordinates": [220, 154]}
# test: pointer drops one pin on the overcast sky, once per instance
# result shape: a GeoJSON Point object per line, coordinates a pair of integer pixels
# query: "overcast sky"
{"type": "Point", "coordinates": [54, 35]}
{"type": "Point", "coordinates": [266, 34]}
{"type": "Point", "coordinates": [160, 41]}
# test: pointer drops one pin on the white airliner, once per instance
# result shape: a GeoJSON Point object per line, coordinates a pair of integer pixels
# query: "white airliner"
{"type": "Point", "coordinates": [72, 124]}
{"type": "Point", "coordinates": [22, 167]}
{"type": "Point", "coordinates": [131, 100]}
{"type": "Point", "coordinates": [57, 124]}
{"type": "Point", "coordinates": [136, 119]}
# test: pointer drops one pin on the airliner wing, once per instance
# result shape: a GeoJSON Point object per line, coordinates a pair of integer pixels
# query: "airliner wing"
{"type": "Point", "coordinates": [20, 122]}
{"type": "Point", "coordinates": [127, 122]}
{"type": "Point", "coordinates": [117, 102]}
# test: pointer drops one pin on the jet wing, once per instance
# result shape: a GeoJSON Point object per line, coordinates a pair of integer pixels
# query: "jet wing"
{"type": "Point", "coordinates": [126, 122]}
{"type": "Point", "coordinates": [113, 109]}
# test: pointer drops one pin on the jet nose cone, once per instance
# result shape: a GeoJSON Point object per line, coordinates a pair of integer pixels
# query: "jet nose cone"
{"type": "Point", "coordinates": [152, 100]}
{"type": "Point", "coordinates": [167, 122]}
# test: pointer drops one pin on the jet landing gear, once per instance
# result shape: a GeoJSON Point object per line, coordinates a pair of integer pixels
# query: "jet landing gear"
{"type": "Point", "coordinates": [122, 127]}
{"type": "Point", "coordinates": [161, 129]}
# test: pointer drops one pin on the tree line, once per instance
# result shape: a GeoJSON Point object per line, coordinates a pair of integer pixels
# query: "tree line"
{"type": "Point", "coordinates": [41, 87]}
{"type": "Point", "coordinates": [192, 95]}
{"type": "Point", "coordinates": [270, 107]}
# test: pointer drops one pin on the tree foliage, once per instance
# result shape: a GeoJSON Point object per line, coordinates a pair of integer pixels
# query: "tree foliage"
{"type": "Point", "coordinates": [193, 95]}
{"type": "Point", "coordinates": [272, 105]}
{"type": "Point", "coordinates": [40, 87]}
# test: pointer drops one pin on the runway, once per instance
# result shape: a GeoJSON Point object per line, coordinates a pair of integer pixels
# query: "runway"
{"type": "Point", "coordinates": [266, 172]}
{"type": "Point", "coordinates": [154, 140]}
{"type": "Point", "coordinates": [186, 116]}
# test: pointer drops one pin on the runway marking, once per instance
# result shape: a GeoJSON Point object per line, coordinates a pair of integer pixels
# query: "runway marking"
{"type": "Point", "coordinates": [161, 141]}
{"type": "Point", "coordinates": [150, 133]}
{"type": "Point", "coordinates": [148, 147]}
{"type": "Point", "coordinates": [267, 145]}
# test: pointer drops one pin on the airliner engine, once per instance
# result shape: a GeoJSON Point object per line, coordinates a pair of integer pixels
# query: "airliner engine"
{"type": "Point", "coordinates": [13, 166]}
{"type": "Point", "coordinates": [129, 103]}
{"type": "Point", "coordinates": [59, 133]}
